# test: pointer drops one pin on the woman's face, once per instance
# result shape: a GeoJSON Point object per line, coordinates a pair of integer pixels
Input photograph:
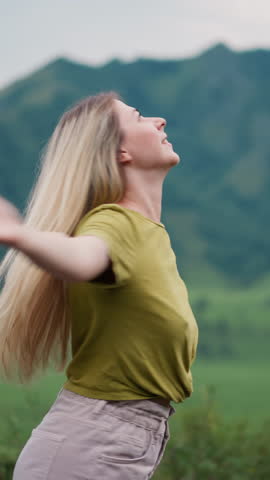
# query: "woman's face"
{"type": "Point", "coordinates": [143, 146]}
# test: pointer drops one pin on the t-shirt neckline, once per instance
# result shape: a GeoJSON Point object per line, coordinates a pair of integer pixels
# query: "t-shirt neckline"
{"type": "Point", "coordinates": [136, 213]}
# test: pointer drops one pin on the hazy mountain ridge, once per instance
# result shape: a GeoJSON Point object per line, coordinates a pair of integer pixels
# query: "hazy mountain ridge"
{"type": "Point", "coordinates": [217, 107]}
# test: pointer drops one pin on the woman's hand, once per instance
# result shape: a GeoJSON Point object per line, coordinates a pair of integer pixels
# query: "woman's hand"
{"type": "Point", "coordinates": [11, 222]}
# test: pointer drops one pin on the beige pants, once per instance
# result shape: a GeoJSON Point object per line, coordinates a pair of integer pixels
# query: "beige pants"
{"type": "Point", "coordinates": [83, 438]}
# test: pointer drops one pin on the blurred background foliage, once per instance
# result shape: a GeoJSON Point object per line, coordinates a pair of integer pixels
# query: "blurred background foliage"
{"type": "Point", "coordinates": [217, 107]}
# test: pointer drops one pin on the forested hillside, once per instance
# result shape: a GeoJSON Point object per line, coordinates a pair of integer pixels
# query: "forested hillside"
{"type": "Point", "coordinates": [217, 107]}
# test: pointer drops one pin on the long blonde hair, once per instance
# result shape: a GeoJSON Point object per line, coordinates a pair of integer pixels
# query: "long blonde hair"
{"type": "Point", "coordinates": [78, 171]}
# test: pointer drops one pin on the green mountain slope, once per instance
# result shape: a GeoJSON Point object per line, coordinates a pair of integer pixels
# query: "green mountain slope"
{"type": "Point", "coordinates": [217, 107]}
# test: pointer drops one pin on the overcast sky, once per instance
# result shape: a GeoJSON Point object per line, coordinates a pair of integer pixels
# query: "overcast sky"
{"type": "Point", "coordinates": [33, 32]}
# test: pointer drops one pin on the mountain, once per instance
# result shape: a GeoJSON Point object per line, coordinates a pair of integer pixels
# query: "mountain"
{"type": "Point", "coordinates": [217, 107]}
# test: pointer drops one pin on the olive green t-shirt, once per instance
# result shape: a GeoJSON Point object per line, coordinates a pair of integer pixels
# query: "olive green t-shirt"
{"type": "Point", "coordinates": [135, 338]}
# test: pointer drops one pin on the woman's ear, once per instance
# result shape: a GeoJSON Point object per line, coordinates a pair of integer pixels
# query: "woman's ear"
{"type": "Point", "coordinates": [124, 156]}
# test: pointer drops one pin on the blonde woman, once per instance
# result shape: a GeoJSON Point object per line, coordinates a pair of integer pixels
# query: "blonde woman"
{"type": "Point", "coordinates": [90, 261]}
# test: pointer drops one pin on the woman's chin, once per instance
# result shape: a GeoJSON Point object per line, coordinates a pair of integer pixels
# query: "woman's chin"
{"type": "Point", "coordinates": [175, 158]}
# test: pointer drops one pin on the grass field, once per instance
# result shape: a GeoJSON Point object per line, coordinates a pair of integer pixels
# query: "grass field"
{"type": "Point", "coordinates": [239, 391]}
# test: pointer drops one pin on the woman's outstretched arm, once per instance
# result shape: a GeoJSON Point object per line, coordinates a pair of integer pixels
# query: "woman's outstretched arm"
{"type": "Point", "coordinates": [79, 258]}
{"type": "Point", "coordinates": [73, 259]}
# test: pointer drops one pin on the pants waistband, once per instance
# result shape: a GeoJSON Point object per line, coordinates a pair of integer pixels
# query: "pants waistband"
{"type": "Point", "coordinates": [143, 412]}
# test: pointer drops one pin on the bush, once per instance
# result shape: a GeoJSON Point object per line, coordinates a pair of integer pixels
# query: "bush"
{"type": "Point", "coordinates": [208, 448]}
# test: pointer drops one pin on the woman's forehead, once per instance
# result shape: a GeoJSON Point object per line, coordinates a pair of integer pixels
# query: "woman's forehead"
{"type": "Point", "coordinates": [123, 107]}
{"type": "Point", "coordinates": [125, 111]}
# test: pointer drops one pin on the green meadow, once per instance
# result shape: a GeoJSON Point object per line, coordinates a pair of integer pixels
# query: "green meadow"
{"type": "Point", "coordinates": [222, 429]}
{"type": "Point", "coordinates": [231, 368]}
{"type": "Point", "coordinates": [230, 385]}
{"type": "Point", "coordinates": [237, 390]}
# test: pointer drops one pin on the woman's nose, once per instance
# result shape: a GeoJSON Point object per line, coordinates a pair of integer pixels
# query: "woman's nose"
{"type": "Point", "coordinates": [162, 122]}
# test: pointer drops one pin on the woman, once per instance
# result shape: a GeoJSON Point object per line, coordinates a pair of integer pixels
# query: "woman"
{"type": "Point", "coordinates": [90, 261]}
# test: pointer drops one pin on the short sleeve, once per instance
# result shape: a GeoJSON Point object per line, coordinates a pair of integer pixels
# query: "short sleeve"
{"type": "Point", "coordinates": [118, 230]}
